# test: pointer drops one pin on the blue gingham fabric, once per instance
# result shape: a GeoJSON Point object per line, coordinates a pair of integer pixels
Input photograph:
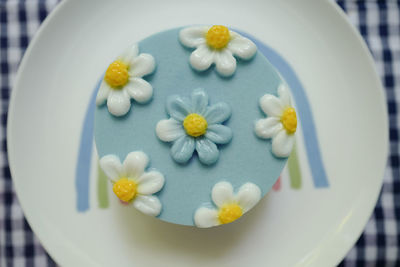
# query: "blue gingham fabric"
{"type": "Point", "coordinates": [379, 24]}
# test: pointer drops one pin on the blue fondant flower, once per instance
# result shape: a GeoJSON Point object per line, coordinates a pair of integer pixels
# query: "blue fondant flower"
{"type": "Point", "coordinates": [194, 125]}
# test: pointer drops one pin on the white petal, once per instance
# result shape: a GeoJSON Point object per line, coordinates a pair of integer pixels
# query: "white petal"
{"type": "Point", "coordinates": [205, 217]}
{"type": "Point", "coordinates": [142, 65]}
{"type": "Point", "coordinates": [139, 89]}
{"type": "Point", "coordinates": [284, 95]}
{"type": "Point", "coordinates": [118, 102]}
{"type": "Point", "coordinates": [149, 205]}
{"type": "Point", "coordinates": [135, 163]}
{"type": "Point", "coordinates": [225, 63]}
{"type": "Point", "coordinates": [202, 58]}
{"type": "Point", "coordinates": [150, 183]}
{"type": "Point", "coordinates": [193, 36]}
{"type": "Point", "coordinates": [282, 144]}
{"type": "Point", "coordinates": [129, 54]}
{"type": "Point", "coordinates": [222, 193]}
{"type": "Point", "coordinates": [112, 167]}
{"type": "Point", "coordinates": [242, 47]}
{"type": "Point", "coordinates": [169, 130]}
{"type": "Point", "coordinates": [103, 93]}
{"type": "Point", "coordinates": [248, 196]}
{"type": "Point", "coordinates": [271, 105]}
{"type": "Point", "coordinates": [268, 128]}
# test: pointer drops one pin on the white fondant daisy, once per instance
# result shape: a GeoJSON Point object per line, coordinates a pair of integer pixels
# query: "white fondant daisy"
{"type": "Point", "coordinates": [132, 184]}
{"type": "Point", "coordinates": [216, 44]}
{"type": "Point", "coordinates": [123, 81]}
{"type": "Point", "coordinates": [281, 122]}
{"type": "Point", "coordinates": [230, 206]}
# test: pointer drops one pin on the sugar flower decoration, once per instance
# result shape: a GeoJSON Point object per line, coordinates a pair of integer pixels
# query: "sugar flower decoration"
{"type": "Point", "coordinates": [281, 122]}
{"type": "Point", "coordinates": [123, 81]}
{"type": "Point", "coordinates": [132, 184]}
{"type": "Point", "coordinates": [194, 125]}
{"type": "Point", "coordinates": [229, 206]}
{"type": "Point", "coordinates": [216, 44]}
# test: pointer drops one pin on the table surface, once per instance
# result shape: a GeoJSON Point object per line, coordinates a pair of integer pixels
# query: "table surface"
{"type": "Point", "coordinates": [378, 23]}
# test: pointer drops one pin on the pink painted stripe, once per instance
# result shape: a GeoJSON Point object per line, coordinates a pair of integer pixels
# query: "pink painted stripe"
{"type": "Point", "coordinates": [277, 185]}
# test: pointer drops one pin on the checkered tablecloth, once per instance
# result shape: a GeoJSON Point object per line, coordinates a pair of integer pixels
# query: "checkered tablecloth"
{"type": "Point", "coordinates": [379, 24]}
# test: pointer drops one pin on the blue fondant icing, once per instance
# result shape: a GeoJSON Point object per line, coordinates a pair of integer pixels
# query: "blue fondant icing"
{"type": "Point", "coordinates": [245, 159]}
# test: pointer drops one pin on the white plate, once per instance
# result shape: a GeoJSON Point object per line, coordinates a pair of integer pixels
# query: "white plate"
{"type": "Point", "coordinates": [305, 226]}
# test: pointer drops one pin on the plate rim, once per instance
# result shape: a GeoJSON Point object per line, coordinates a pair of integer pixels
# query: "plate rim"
{"type": "Point", "coordinates": [340, 251]}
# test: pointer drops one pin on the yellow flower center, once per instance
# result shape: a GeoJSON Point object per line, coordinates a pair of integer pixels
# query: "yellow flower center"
{"type": "Point", "coordinates": [229, 213]}
{"type": "Point", "coordinates": [289, 120]}
{"type": "Point", "coordinates": [195, 125]}
{"type": "Point", "coordinates": [218, 36]}
{"type": "Point", "coordinates": [117, 74]}
{"type": "Point", "coordinates": [125, 189]}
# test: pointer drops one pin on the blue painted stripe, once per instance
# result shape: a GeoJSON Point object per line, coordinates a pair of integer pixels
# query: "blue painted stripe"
{"type": "Point", "coordinates": [83, 165]}
{"type": "Point", "coordinates": [304, 112]}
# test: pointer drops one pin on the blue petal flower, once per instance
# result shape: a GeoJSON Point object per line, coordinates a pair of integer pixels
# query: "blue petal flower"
{"type": "Point", "coordinates": [207, 151]}
{"type": "Point", "coordinates": [199, 101]}
{"type": "Point", "coordinates": [206, 146]}
{"type": "Point", "coordinates": [178, 107]}
{"type": "Point", "coordinates": [218, 113]}
{"type": "Point", "coordinates": [219, 134]}
{"type": "Point", "coordinates": [182, 149]}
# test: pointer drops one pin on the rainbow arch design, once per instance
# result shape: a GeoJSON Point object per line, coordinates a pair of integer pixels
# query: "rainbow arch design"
{"type": "Point", "coordinates": [312, 148]}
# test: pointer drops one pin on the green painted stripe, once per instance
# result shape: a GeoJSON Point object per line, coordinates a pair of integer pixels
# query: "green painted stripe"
{"type": "Point", "coordinates": [294, 169]}
{"type": "Point", "coordinates": [102, 182]}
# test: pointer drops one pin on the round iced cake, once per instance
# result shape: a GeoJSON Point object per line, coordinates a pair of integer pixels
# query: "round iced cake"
{"type": "Point", "coordinates": [193, 125]}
